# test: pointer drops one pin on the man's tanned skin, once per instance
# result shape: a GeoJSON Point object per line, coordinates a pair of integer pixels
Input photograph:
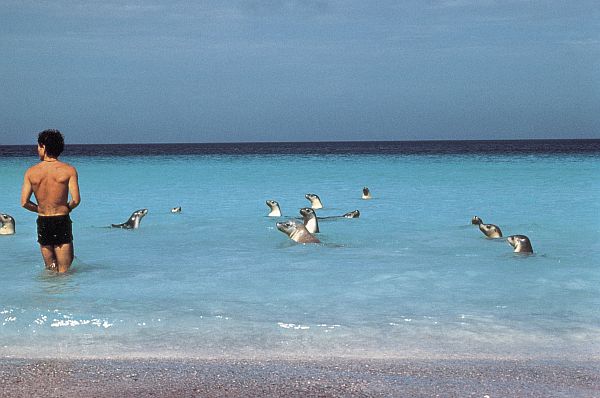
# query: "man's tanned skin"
{"type": "Point", "coordinates": [51, 181]}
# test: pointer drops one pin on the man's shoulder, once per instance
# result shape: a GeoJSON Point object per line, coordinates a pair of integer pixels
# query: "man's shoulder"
{"type": "Point", "coordinates": [70, 168]}
{"type": "Point", "coordinates": [33, 169]}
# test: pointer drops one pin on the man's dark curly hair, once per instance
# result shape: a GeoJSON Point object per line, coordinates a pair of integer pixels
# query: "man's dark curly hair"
{"type": "Point", "coordinates": [53, 141]}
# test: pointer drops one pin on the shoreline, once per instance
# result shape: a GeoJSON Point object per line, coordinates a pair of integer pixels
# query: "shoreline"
{"type": "Point", "coordinates": [330, 377]}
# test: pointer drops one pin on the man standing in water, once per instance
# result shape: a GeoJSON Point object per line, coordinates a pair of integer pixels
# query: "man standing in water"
{"type": "Point", "coordinates": [51, 181]}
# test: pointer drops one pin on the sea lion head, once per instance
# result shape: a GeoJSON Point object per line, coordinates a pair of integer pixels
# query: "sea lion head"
{"type": "Point", "coordinates": [309, 218]}
{"type": "Point", "coordinates": [275, 210]}
{"type": "Point", "coordinates": [133, 222]}
{"type": "Point", "coordinates": [296, 232]}
{"type": "Point", "coordinates": [136, 217]}
{"type": "Point", "coordinates": [520, 243]}
{"type": "Point", "coordinates": [307, 212]}
{"type": "Point", "coordinates": [366, 193]}
{"type": "Point", "coordinates": [287, 227]}
{"type": "Point", "coordinates": [7, 224]}
{"type": "Point", "coordinates": [352, 214]}
{"type": "Point", "coordinates": [315, 201]}
{"type": "Point", "coordinates": [141, 213]}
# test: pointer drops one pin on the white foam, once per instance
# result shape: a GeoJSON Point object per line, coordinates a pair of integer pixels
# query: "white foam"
{"type": "Point", "coordinates": [293, 326]}
{"type": "Point", "coordinates": [56, 323]}
{"type": "Point", "coordinates": [330, 327]}
{"type": "Point", "coordinates": [59, 322]}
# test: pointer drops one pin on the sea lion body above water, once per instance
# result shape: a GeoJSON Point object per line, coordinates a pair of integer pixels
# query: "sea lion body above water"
{"type": "Point", "coordinates": [366, 194]}
{"type": "Point", "coordinates": [275, 210]}
{"type": "Point", "coordinates": [297, 232]}
{"type": "Point", "coordinates": [315, 201]}
{"type": "Point", "coordinates": [309, 217]}
{"type": "Point", "coordinates": [520, 243]}
{"type": "Point", "coordinates": [350, 214]}
{"type": "Point", "coordinates": [134, 220]}
{"type": "Point", "coordinates": [489, 230]}
{"type": "Point", "coordinates": [7, 224]}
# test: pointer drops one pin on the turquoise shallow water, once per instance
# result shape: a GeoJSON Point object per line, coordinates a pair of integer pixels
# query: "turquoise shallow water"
{"type": "Point", "coordinates": [410, 277]}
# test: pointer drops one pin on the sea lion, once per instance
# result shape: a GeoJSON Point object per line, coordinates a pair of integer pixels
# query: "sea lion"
{"type": "Point", "coordinates": [7, 224]}
{"type": "Point", "coordinates": [315, 201]}
{"type": "Point", "coordinates": [352, 214]}
{"type": "Point", "coordinates": [520, 243]}
{"type": "Point", "coordinates": [366, 193]}
{"type": "Point", "coordinates": [176, 209]}
{"type": "Point", "coordinates": [489, 230]}
{"type": "Point", "coordinates": [297, 232]}
{"type": "Point", "coordinates": [310, 220]}
{"type": "Point", "coordinates": [134, 220]}
{"type": "Point", "coordinates": [275, 210]}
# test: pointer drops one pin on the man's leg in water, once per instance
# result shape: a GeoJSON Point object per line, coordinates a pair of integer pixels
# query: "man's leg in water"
{"type": "Point", "coordinates": [49, 257]}
{"type": "Point", "coordinates": [64, 256]}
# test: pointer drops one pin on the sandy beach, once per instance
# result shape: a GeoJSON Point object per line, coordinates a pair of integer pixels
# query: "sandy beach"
{"type": "Point", "coordinates": [299, 378]}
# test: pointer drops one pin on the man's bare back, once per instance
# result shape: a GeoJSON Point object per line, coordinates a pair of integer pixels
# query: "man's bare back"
{"type": "Point", "coordinates": [51, 181]}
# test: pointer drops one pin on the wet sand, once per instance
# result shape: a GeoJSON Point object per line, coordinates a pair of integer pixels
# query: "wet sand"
{"type": "Point", "coordinates": [297, 378]}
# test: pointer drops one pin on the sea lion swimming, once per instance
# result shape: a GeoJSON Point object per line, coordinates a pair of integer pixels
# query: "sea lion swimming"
{"type": "Point", "coordinates": [134, 220]}
{"type": "Point", "coordinates": [352, 214]}
{"type": "Point", "coordinates": [520, 243]}
{"type": "Point", "coordinates": [176, 209]}
{"type": "Point", "coordinates": [366, 193]}
{"type": "Point", "coordinates": [7, 224]}
{"type": "Point", "coordinates": [310, 220]}
{"type": "Point", "coordinates": [489, 230]}
{"type": "Point", "coordinates": [315, 201]}
{"type": "Point", "coordinates": [275, 210]}
{"type": "Point", "coordinates": [297, 232]}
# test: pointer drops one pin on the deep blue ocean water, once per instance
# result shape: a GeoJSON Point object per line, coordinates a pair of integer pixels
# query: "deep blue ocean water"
{"type": "Point", "coordinates": [410, 278]}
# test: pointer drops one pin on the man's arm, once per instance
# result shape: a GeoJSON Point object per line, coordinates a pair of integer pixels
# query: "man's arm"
{"type": "Point", "coordinates": [74, 191]}
{"type": "Point", "coordinates": [26, 192]}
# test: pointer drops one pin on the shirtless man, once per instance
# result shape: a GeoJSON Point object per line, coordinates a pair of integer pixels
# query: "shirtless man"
{"type": "Point", "coordinates": [51, 181]}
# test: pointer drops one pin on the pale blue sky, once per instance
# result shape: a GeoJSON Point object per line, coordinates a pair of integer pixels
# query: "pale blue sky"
{"type": "Point", "coordinates": [313, 70]}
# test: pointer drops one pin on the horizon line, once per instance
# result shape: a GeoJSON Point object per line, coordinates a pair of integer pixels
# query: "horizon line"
{"type": "Point", "coordinates": [324, 141]}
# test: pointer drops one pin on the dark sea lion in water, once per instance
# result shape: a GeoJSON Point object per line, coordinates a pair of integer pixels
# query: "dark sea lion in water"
{"type": "Point", "coordinates": [366, 193]}
{"type": "Point", "coordinates": [520, 243]}
{"type": "Point", "coordinates": [350, 214]}
{"type": "Point", "coordinates": [134, 220]}
{"type": "Point", "coordinates": [7, 224]}
{"type": "Point", "coordinates": [297, 232]}
{"type": "Point", "coordinates": [309, 217]}
{"type": "Point", "coordinates": [489, 230]}
{"type": "Point", "coordinates": [315, 201]}
{"type": "Point", "coordinates": [275, 210]}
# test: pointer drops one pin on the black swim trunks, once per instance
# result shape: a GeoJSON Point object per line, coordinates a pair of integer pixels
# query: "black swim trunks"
{"type": "Point", "coordinates": [54, 230]}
